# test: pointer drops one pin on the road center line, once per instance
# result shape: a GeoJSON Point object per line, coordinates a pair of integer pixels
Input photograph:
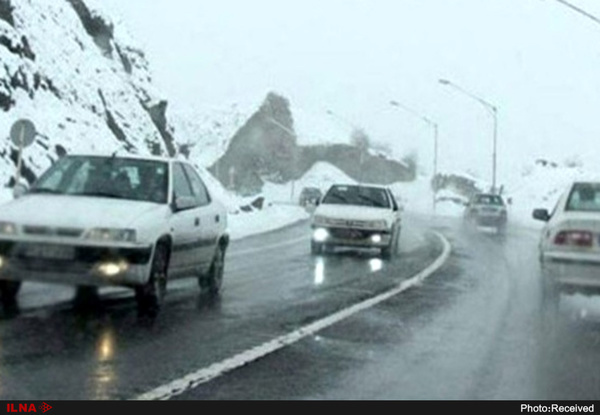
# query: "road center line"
{"type": "Point", "coordinates": [208, 373]}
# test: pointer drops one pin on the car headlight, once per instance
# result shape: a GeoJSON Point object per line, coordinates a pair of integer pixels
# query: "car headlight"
{"type": "Point", "coordinates": [111, 234]}
{"type": "Point", "coordinates": [8, 228]}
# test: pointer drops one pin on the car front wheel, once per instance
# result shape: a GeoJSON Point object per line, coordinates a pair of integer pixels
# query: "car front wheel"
{"type": "Point", "coordinates": [150, 295]}
{"type": "Point", "coordinates": [9, 291]}
{"type": "Point", "coordinates": [389, 251]}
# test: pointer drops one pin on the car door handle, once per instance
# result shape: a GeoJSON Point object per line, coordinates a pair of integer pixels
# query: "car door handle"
{"type": "Point", "coordinates": [197, 222]}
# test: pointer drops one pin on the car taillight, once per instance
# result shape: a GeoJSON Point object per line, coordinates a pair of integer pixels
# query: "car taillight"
{"type": "Point", "coordinates": [576, 238]}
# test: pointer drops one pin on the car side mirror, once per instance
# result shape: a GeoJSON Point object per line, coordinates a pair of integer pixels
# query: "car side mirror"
{"type": "Point", "coordinates": [19, 190]}
{"type": "Point", "coordinates": [184, 203]}
{"type": "Point", "coordinates": [541, 214]}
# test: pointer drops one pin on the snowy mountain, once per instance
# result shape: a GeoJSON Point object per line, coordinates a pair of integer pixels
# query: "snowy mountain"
{"type": "Point", "coordinates": [66, 68]}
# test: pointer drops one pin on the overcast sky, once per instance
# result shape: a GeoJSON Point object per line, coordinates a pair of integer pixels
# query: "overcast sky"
{"type": "Point", "coordinates": [537, 61]}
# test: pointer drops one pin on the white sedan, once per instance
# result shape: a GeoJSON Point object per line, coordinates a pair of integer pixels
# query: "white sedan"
{"type": "Point", "coordinates": [361, 216]}
{"type": "Point", "coordinates": [130, 221]}
{"type": "Point", "coordinates": [569, 246]}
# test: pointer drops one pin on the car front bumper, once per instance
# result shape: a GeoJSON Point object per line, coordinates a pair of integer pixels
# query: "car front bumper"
{"type": "Point", "coordinates": [572, 272]}
{"type": "Point", "coordinates": [351, 237]}
{"type": "Point", "coordinates": [73, 264]}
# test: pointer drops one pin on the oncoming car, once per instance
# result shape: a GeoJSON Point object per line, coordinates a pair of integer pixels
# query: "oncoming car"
{"type": "Point", "coordinates": [92, 221]}
{"type": "Point", "coordinates": [359, 216]}
{"type": "Point", "coordinates": [569, 245]}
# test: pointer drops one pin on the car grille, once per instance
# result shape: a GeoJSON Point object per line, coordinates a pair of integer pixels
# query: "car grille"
{"type": "Point", "coordinates": [52, 231]}
{"type": "Point", "coordinates": [350, 233]}
{"type": "Point", "coordinates": [355, 224]}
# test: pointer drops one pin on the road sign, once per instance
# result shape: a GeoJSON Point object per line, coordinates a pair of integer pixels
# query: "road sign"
{"type": "Point", "coordinates": [22, 133]}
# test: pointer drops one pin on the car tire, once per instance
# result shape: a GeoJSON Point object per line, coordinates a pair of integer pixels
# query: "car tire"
{"type": "Point", "coordinates": [213, 280]}
{"type": "Point", "coordinates": [316, 248]}
{"type": "Point", "coordinates": [389, 251]}
{"type": "Point", "coordinates": [150, 296]}
{"type": "Point", "coordinates": [86, 296]}
{"type": "Point", "coordinates": [8, 291]}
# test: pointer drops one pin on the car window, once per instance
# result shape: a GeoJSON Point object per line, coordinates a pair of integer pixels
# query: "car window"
{"type": "Point", "coordinates": [181, 184]}
{"type": "Point", "coordinates": [584, 197]}
{"type": "Point", "coordinates": [116, 177]}
{"type": "Point", "coordinates": [489, 200]}
{"type": "Point", "coordinates": [357, 195]}
{"type": "Point", "coordinates": [198, 187]}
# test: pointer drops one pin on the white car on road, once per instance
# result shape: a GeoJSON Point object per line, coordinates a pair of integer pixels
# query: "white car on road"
{"type": "Point", "coordinates": [361, 216]}
{"type": "Point", "coordinates": [569, 246]}
{"type": "Point", "coordinates": [130, 221]}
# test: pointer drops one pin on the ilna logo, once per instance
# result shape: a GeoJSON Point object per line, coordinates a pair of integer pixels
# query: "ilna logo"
{"type": "Point", "coordinates": [27, 407]}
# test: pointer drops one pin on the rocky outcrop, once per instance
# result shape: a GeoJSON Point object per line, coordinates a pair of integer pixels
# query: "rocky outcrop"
{"type": "Point", "coordinates": [266, 149]}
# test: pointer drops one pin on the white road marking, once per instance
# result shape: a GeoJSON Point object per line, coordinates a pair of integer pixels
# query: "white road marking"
{"type": "Point", "coordinates": [206, 374]}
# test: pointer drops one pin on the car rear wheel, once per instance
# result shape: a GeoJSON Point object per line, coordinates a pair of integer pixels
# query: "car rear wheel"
{"type": "Point", "coordinates": [150, 296]}
{"type": "Point", "coordinates": [9, 291]}
{"type": "Point", "coordinates": [213, 280]}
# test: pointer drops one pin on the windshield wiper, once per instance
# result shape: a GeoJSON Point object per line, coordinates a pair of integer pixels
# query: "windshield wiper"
{"type": "Point", "coordinates": [99, 194]}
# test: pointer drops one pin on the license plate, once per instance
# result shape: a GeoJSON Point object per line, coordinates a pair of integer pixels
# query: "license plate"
{"type": "Point", "coordinates": [50, 252]}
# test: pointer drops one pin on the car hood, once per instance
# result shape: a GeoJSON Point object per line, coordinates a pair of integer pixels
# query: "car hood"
{"type": "Point", "coordinates": [74, 211]}
{"type": "Point", "coordinates": [352, 212]}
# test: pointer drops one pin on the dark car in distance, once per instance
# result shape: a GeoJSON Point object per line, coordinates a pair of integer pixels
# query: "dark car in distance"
{"type": "Point", "coordinates": [488, 210]}
{"type": "Point", "coordinates": [310, 196]}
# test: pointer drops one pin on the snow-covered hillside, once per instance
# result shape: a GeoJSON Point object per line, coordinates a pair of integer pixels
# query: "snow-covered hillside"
{"type": "Point", "coordinates": [84, 88]}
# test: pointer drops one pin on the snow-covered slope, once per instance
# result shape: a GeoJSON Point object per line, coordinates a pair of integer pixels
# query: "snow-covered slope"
{"type": "Point", "coordinates": [82, 95]}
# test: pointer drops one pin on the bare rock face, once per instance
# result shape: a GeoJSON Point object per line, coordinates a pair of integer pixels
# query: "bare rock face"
{"type": "Point", "coordinates": [266, 149]}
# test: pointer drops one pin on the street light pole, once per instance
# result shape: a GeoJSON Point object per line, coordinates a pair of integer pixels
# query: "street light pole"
{"type": "Point", "coordinates": [580, 11]}
{"type": "Point", "coordinates": [494, 111]}
{"type": "Point", "coordinates": [434, 125]}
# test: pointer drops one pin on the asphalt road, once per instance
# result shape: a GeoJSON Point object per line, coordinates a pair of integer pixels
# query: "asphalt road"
{"type": "Point", "coordinates": [287, 327]}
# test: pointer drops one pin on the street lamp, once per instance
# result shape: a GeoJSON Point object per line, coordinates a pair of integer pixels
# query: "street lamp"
{"type": "Point", "coordinates": [434, 125]}
{"type": "Point", "coordinates": [494, 110]}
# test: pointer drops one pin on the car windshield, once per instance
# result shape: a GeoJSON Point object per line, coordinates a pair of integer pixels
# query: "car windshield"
{"type": "Point", "coordinates": [110, 177]}
{"type": "Point", "coordinates": [494, 200]}
{"type": "Point", "coordinates": [357, 195]}
{"type": "Point", "coordinates": [584, 197]}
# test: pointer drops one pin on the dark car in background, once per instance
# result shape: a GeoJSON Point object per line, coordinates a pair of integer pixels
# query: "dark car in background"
{"type": "Point", "coordinates": [487, 210]}
{"type": "Point", "coordinates": [310, 196]}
